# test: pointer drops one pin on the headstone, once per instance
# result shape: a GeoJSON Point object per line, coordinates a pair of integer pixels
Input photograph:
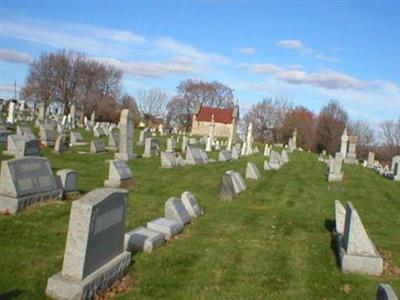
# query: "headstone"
{"type": "Point", "coordinates": [144, 133]}
{"type": "Point", "coordinates": [249, 140]}
{"type": "Point", "coordinates": [224, 155]}
{"type": "Point", "coordinates": [185, 142]}
{"type": "Point", "coordinates": [357, 252]}
{"type": "Point", "coordinates": [335, 168]}
{"type": "Point", "coordinates": [274, 161]}
{"type": "Point", "coordinates": [340, 217]}
{"type": "Point", "coordinates": [151, 147]}
{"type": "Point", "coordinates": [69, 179]}
{"type": "Point", "coordinates": [22, 145]}
{"type": "Point", "coordinates": [235, 153]}
{"type": "Point", "coordinates": [99, 132]}
{"type": "Point", "coordinates": [25, 131]}
{"type": "Point", "coordinates": [76, 139]}
{"type": "Point", "coordinates": [113, 141]}
{"type": "Point", "coordinates": [47, 135]}
{"type": "Point", "coordinates": [143, 239]}
{"type": "Point", "coordinates": [175, 210]}
{"type": "Point", "coordinates": [395, 168]}
{"type": "Point", "coordinates": [11, 113]}
{"type": "Point", "coordinates": [284, 156]}
{"type": "Point", "coordinates": [371, 160]}
{"type": "Point", "coordinates": [351, 157]}
{"type": "Point", "coordinates": [344, 142]}
{"type": "Point", "coordinates": [25, 181]}
{"type": "Point", "coordinates": [385, 292]}
{"type": "Point", "coordinates": [94, 253]}
{"type": "Point", "coordinates": [119, 174]}
{"type": "Point", "coordinates": [97, 146]}
{"type": "Point", "coordinates": [171, 160]}
{"type": "Point", "coordinates": [169, 228]}
{"type": "Point", "coordinates": [61, 144]}
{"type": "Point", "coordinates": [239, 184]}
{"type": "Point", "coordinates": [191, 205]}
{"type": "Point", "coordinates": [125, 136]}
{"type": "Point", "coordinates": [226, 188]}
{"type": "Point", "coordinates": [195, 155]}
{"type": "Point", "coordinates": [171, 145]}
{"type": "Point", "coordinates": [252, 172]}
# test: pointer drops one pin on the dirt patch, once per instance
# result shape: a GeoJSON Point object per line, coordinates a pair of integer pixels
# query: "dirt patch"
{"type": "Point", "coordinates": [389, 268]}
{"type": "Point", "coordinates": [118, 287]}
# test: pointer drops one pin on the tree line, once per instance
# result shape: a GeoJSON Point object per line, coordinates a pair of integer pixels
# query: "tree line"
{"type": "Point", "coordinates": [72, 78]}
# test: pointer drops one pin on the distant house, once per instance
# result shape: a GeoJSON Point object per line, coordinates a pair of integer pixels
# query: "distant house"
{"type": "Point", "coordinates": [225, 120]}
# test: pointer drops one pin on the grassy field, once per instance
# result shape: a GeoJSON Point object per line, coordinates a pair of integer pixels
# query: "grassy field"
{"type": "Point", "coordinates": [272, 242]}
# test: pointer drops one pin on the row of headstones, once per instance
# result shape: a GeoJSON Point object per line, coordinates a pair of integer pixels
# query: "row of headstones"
{"type": "Point", "coordinates": [178, 212]}
{"type": "Point", "coordinates": [98, 251]}
{"type": "Point", "coordinates": [356, 252]}
{"type": "Point", "coordinates": [393, 172]}
{"type": "Point", "coordinates": [27, 180]}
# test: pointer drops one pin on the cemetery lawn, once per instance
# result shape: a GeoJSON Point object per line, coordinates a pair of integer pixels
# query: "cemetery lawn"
{"type": "Point", "coordinates": [272, 242]}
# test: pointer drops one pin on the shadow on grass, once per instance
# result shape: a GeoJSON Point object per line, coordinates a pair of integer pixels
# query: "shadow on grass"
{"type": "Point", "coordinates": [330, 226]}
{"type": "Point", "coordinates": [11, 294]}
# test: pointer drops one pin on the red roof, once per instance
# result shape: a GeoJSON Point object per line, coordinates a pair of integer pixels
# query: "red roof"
{"type": "Point", "coordinates": [221, 115]}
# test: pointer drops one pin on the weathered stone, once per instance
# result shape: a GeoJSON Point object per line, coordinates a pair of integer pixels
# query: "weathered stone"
{"type": "Point", "coordinates": [94, 255]}
{"type": "Point", "coordinates": [224, 155]}
{"type": "Point", "coordinates": [76, 139]}
{"type": "Point", "coordinates": [97, 146]}
{"type": "Point", "coordinates": [25, 181]}
{"type": "Point", "coordinates": [61, 144]}
{"type": "Point", "coordinates": [113, 141]}
{"type": "Point", "coordinates": [99, 132]}
{"type": "Point", "coordinates": [195, 155]}
{"type": "Point", "coordinates": [169, 228]}
{"type": "Point", "coordinates": [171, 160]}
{"type": "Point", "coordinates": [226, 188]}
{"type": "Point", "coordinates": [175, 210]}
{"type": "Point", "coordinates": [335, 168]}
{"type": "Point", "coordinates": [119, 174]}
{"type": "Point", "coordinates": [340, 217]}
{"type": "Point", "coordinates": [22, 145]}
{"type": "Point", "coordinates": [385, 292]}
{"type": "Point", "coordinates": [371, 160]}
{"type": "Point", "coordinates": [252, 172]}
{"type": "Point", "coordinates": [126, 132]}
{"type": "Point", "coordinates": [284, 156]}
{"type": "Point", "coordinates": [395, 168]}
{"type": "Point", "coordinates": [26, 131]}
{"type": "Point", "coordinates": [143, 239]}
{"type": "Point", "coordinates": [171, 145]}
{"type": "Point", "coordinates": [239, 184]}
{"type": "Point", "coordinates": [191, 205]}
{"type": "Point", "coordinates": [351, 157]}
{"type": "Point", "coordinates": [47, 135]}
{"type": "Point", "coordinates": [151, 147]}
{"type": "Point", "coordinates": [356, 251]}
{"type": "Point", "coordinates": [68, 179]}
{"type": "Point", "coordinates": [274, 161]}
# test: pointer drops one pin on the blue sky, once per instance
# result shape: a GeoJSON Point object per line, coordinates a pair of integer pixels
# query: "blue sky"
{"type": "Point", "coordinates": [308, 51]}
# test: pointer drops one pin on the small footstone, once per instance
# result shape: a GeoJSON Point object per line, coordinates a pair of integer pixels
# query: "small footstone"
{"type": "Point", "coordinates": [143, 239]}
{"type": "Point", "coordinates": [169, 228]}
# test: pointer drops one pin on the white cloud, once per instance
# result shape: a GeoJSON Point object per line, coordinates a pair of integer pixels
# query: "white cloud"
{"type": "Point", "coordinates": [247, 50]}
{"type": "Point", "coordinates": [328, 80]}
{"type": "Point", "coordinates": [15, 56]}
{"type": "Point", "coordinates": [304, 50]}
{"type": "Point", "coordinates": [178, 48]}
{"type": "Point", "coordinates": [261, 68]}
{"type": "Point", "coordinates": [150, 69]}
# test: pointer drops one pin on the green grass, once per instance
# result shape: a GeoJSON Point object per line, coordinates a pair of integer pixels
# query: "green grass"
{"type": "Point", "coordinates": [271, 242]}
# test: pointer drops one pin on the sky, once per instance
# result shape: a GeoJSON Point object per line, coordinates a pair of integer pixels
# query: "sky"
{"type": "Point", "coordinates": [307, 51]}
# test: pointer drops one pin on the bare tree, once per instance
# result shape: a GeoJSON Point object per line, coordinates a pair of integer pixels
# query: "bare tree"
{"type": "Point", "coordinates": [268, 117]}
{"type": "Point", "coordinates": [152, 102]}
{"type": "Point", "coordinates": [363, 131]}
{"type": "Point", "coordinates": [39, 83]}
{"type": "Point", "coordinates": [331, 123]}
{"type": "Point", "coordinates": [390, 134]}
